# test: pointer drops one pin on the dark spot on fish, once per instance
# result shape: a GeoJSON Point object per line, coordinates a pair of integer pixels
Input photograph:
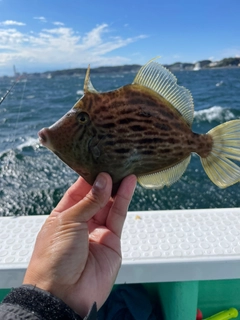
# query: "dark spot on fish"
{"type": "Point", "coordinates": [136, 128]}
{"type": "Point", "coordinates": [110, 143]}
{"type": "Point", "coordinates": [110, 136]}
{"type": "Point", "coordinates": [178, 125]}
{"type": "Point", "coordinates": [122, 130]}
{"type": "Point", "coordinates": [109, 117]}
{"type": "Point", "coordinates": [171, 140]}
{"type": "Point", "coordinates": [163, 126]}
{"type": "Point", "coordinates": [145, 121]}
{"type": "Point", "coordinates": [150, 133]}
{"type": "Point", "coordinates": [179, 154]}
{"type": "Point", "coordinates": [148, 152]}
{"type": "Point", "coordinates": [166, 150]}
{"type": "Point", "coordinates": [149, 140]}
{"type": "Point", "coordinates": [122, 150]}
{"type": "Point", "coordinates": [144, 114]}
{"type": "Point", "coordinates": [102, 109]}
{"type": "Point", "coordinates": [167, 114]}
{"type": "Point", "coordinates": [121, 141]}
{"type": "Point", "coordinates": [150, 103]}
{"type": "Point", "coordinates": [135, 101]}
{"type": "Point", "coordinates": [108, 125]}
{"type": "Point", "coordinates": [190, 142]}
{"type": "Point", "coordinates": [163, 134]}
{"type": "Point", "coordinates": [125, 121]}
{"type": "Point", "coordinates": [101, 136]}
{"type": "Point", "coordinates": [117, 104]}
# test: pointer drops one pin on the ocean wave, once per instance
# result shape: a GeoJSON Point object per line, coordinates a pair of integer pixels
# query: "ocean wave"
{"type": "Point", "coordinates": [219, 83]}
{"type": "Point", "coordinates": [215, 113]}
{"type": "Point", "coordinates": [29, 142]}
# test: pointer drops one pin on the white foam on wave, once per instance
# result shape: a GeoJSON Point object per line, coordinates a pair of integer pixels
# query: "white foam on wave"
{"type": "Point", "coordinates": [80, 92]}
{"type": "Point", "coordinates": [29, 142]}
{"type": "Point", "coordinates": [215, 113]}
{"type": "Point", "coordinates": [219, 83]}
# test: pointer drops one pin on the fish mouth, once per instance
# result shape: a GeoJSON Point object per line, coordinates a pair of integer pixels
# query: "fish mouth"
{"type": "Point", "coordinates": [44, 138]}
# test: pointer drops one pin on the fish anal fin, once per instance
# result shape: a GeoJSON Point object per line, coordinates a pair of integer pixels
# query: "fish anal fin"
{"type": "Point", "coordinates": [167, 177]}
{"type": "Point", "coordinates": [88, 87]}
{"type": "Point", "coordinates": [157, 78]}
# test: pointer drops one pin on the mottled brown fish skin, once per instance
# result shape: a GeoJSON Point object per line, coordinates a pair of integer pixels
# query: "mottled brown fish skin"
{"type": "Point", "coordinates": [129, 130]}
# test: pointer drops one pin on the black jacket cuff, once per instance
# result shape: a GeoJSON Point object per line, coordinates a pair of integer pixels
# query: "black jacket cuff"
{"type": "Point", "coordinates": [36, 303]}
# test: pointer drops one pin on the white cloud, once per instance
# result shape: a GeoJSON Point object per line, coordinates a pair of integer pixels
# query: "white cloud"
{"type": "Point", "coordinates": [57, 23]}
{"type": "Point", "coordinates": [42, 19]}
{"type": "Point", "coordinates": [12, 23]}
{"type": "Point", "coordinates": [60, 47]}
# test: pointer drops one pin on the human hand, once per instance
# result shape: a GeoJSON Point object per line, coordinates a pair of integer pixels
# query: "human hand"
{"type": "Point", "coordinates": [77, 253]}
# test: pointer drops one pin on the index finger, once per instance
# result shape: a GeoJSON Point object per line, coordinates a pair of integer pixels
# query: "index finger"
{"type": "Point", "coordinates": [73, 195]}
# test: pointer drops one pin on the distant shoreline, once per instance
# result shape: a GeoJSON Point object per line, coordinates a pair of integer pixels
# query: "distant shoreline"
{"type": "Point", "coordinates": [177, 66]}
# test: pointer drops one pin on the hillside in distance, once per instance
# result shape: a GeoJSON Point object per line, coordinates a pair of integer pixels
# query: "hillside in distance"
{"type": "Point", "coordinates": [177, 66]}
{"type": "Point", "coordinates": [203, 64]}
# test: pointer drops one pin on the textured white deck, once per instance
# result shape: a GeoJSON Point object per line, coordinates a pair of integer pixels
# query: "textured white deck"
{"type": "Point", "coordinates": [157, 246]}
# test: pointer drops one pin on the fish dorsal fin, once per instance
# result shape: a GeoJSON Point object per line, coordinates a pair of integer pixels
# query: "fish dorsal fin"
{"type": "Point", "coordinates": [88, 87]}
{"type": "Point", "coordinates": [156, 77]}
{"type": "Point", "coordinates": [166, 177]}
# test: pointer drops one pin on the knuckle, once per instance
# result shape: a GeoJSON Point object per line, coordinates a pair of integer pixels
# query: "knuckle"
{"type": "Point", "coordinates": [94, 200]}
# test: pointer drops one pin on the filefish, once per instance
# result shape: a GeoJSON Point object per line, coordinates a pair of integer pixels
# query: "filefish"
{"type": "Point", "coordinates": [143, 128]}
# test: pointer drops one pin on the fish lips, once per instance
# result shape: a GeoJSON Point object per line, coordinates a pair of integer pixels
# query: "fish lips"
{"type": "Point", "coordinates": [44, 138]}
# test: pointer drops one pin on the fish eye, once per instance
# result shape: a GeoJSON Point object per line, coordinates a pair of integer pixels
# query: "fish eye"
{"type": "Point", "coordinates": [83, 117]}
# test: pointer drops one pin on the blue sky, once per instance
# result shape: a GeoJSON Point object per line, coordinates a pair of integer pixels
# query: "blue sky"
{"type": "Point", "coordinates": [41, 35]}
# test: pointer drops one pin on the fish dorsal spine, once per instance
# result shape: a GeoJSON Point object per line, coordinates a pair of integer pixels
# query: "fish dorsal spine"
{"type": "Point", "coordinates": [88, 87]}
{"type": "Point", "coordinates": [157, 78]}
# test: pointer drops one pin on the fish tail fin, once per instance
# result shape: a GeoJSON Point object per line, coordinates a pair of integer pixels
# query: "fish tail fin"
{"type": "Point", "coordinates": [218, 165]}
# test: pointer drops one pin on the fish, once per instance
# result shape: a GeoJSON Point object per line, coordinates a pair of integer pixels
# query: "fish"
{"type": "Point", "coordinates": [142, 128]}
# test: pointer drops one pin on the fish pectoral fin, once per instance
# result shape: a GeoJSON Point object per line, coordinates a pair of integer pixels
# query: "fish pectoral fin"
{"type": "Point", "coordinates": [157, 78]}
{"type": "Point", "coordinates": [88, 87]}
{"type": "Point", "coordinates": [158, 180]}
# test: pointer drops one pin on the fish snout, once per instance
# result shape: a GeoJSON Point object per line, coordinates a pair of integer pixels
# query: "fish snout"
{"type": "Point", "coordinates": [44, 138]}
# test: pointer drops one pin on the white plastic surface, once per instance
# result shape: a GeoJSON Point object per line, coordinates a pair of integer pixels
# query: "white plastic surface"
{"type": "Point", "coordinates": [157, 246]}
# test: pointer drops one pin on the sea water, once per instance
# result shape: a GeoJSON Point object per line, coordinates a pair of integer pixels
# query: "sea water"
{"type": "Point", "coordinates": [33, 180]}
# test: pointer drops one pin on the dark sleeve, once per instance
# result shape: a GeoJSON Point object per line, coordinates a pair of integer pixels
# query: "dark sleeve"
{"type": "Point", "coordinates": [32, 303]}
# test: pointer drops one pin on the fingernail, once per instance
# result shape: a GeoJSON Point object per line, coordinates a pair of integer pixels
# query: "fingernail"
{"type": "Point", "coordinates": [100, 182]}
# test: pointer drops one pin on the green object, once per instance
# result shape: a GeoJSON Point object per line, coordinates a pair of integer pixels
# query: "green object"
{"type": "Point", "coordinates": [225, 315]}
{"type": "Point", "coordinates": [179, 299]}
{"type": "Point", "coordinates": [3, 293]}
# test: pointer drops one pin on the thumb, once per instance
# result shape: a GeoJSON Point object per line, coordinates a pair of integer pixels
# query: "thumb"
{"type": "Point", "coordinates": [94, 200]}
